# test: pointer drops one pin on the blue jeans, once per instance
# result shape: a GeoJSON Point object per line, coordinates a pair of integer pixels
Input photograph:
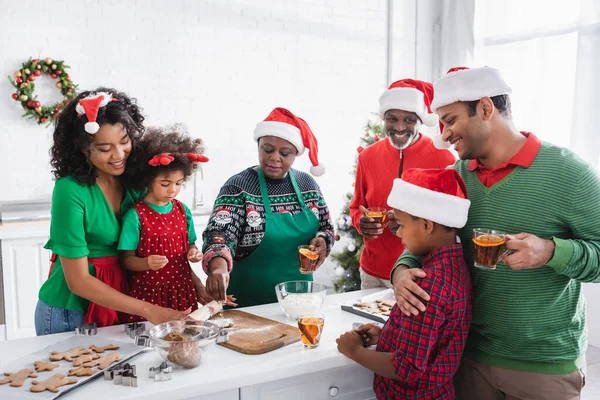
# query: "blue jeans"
{"type": "Point", "coordinates": [49, 319]}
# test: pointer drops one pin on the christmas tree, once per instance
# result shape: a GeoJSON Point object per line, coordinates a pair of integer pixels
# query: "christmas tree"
{"type": "Point", "coordinates": [348, 260]}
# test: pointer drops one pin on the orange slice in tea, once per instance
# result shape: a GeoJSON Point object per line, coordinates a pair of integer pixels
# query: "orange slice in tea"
{"type": "Point", "coordinates": [311, 255]}
{"type": "Point", "coordinates": [488, 240]}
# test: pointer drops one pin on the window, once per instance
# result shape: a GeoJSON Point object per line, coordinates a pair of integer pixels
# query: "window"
{"type": "Point", "coordinates": [534, 43]}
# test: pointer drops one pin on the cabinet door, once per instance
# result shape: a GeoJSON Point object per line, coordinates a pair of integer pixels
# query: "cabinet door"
{"type": "Point", "coordinates": [25, 265]}
{"type": "Point", "coordinates": [347, 383]}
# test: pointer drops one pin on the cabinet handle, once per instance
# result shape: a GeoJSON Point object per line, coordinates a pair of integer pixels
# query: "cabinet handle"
{"type": "Point", "coordinates": [334, 391]}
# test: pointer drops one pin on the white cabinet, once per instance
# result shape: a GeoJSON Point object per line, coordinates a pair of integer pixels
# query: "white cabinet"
{"type": "Point", "coordinates": [348, 383]}
{"type": "Point", "coordinates": [233, 394]}
{"type": "Point", "coordinates": [25, 265]}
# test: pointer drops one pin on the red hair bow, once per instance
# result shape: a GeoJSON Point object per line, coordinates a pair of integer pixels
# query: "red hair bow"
{"type": "Point", "coordinates": [197, 157]}
{"type": "Point", "coordinates": [161, 159]}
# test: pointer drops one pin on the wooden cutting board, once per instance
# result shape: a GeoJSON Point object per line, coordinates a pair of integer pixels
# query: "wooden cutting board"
{"type": "Point", "coordinates": [252, 334]}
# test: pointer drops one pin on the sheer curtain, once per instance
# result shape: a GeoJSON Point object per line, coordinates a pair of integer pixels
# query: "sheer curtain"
{"type": "Point", "coordinates": [548, 51]}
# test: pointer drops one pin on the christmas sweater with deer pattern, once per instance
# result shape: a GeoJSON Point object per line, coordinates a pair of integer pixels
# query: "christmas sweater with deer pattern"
{"type": "Point", "coordinates": [237, 223]}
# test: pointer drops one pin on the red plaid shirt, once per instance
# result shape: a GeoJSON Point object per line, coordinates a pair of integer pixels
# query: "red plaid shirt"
{"type": "Point", "coordinates": [426, 349]}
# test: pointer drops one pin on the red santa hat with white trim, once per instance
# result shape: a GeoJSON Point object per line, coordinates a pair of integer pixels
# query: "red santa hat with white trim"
{"type": "Point", "coordinates": [439, 195]}
{"type": "Point", "coordinates": [409, 95]}
{"type": "Point", "coordinates": [283, 124]}
{"type": "Point", "coordinates": [90, 105]}
{"type": "Point", "coordinates": [466, 84]}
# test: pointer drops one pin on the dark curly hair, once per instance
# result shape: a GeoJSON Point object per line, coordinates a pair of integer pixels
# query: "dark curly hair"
{"type": "Point", "coordinates": [173, 140]}
{"type": "Point", "coordinates": [71, 145]}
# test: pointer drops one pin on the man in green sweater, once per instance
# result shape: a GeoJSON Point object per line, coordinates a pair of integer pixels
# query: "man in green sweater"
{"type": "Point", "coordinates": [528, 334]}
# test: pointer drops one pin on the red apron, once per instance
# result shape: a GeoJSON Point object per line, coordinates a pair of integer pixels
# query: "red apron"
{"type": "Point", "coordinates": [109, 271]}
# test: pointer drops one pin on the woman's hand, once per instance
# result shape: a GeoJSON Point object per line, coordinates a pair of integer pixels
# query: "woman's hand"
{"type": "Point", "coordinates": [319, 246]}
{"type": "Point", "coordinates": [205, 298]}
{"type": "Point", "coordinates": [218, 279]}
{"type": "Point", "coordinates": [158, 315]}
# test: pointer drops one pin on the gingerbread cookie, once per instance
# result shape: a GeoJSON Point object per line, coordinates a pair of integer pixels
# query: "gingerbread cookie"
{"type": "Point", "coordinates": [52, 384]}
{"type": "Point", "coordinates": [84, 359]}
{"type": "Point", "coordinates": [69, 354]}
{"type": "Point", "coordinates": [41, 366]}
{"type": "Point", "coordinates": [104, 362]}
{"type": "Point", "coordinates": [389, 303]}
{"type": "Point", "coordinates": [81, 371]}
{"type": "Point", "coordinates": [18, 378]}
{"type": "Point", "coordinates": [102, 349]}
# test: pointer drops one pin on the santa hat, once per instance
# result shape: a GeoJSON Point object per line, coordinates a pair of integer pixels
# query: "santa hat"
{"type": "Point", "coordinates": [285, 125]}
{"type": "Point", "coordinates": [439, 195]}
{"type": "Point", "coordinates": [466, 84]}
{"type": "Point", "coordinates": [409, 95]}
{"type": "Point", "coordinates": [90, 105]}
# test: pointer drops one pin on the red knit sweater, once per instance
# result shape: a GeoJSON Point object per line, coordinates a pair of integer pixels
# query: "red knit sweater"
{"type": "Point", "coordinates": [378, 166]}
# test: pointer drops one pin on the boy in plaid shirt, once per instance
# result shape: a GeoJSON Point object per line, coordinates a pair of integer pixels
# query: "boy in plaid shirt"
{"type": "Point", "coordinates": [417, 356]}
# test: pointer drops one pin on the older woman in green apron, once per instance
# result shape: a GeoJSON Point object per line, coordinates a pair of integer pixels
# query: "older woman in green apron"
{"type": "Point", "coordinates": [264, 213]}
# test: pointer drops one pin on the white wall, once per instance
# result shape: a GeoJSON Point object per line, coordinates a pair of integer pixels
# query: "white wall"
{"type": "Point", "coordinates": [218, 66]}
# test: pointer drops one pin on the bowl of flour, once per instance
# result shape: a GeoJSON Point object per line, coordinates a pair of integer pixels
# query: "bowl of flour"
{"type": "Point", "coordinates": [300, 297]}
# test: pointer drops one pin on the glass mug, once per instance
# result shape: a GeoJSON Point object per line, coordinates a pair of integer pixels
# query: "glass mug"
{"type": "Point", "coordinates": [311, 328]}
{"type": "Point", "coordinates": [488, 247]}
{"type": "Point", "coordinates": [308, 259]}
{"type": "Point", "coordinates": [379, 215]}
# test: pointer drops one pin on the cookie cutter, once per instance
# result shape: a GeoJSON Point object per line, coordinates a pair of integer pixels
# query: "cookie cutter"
{"type": "Point", "coordinates": [123, 375]}
{"type": "Point", "coordinates": [161, 373]}
{"type": "Point", "coordinates": [135, 329]}
{"type": "Point", "coordinates": [356, 325]}
{"type": "Point", "coordinates": [116, 373]}
{"type": "Point", "coordinates": [89, 329]}
{"type": "Point", "coordinates": [127, 378]}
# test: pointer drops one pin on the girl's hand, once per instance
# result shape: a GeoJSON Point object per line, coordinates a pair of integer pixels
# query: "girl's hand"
{"type": "Point", "coordinates": [156, 262]}
{"type": "Point", "coordinates": [319, 246]}
{"type": "Point", "coordinates": [194, 255]}
{"type": "Point", "coordinates": [158, 315]}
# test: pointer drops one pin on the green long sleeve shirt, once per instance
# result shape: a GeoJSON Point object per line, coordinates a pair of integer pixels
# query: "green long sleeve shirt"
{"type": "Point", "coordinates": [534, 319]}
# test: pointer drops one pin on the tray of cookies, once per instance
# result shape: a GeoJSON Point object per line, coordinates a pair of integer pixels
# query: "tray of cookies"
{"type": "Point", "coordinates": [62, 367]}
{"type": "Point", "coordinates": [376, 306]}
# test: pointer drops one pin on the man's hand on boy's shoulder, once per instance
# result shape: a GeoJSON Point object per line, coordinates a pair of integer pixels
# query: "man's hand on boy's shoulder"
{"type": "Point", "coordinates": [407, 292]}
{"type": "Point", "coordinates": [348, 343]}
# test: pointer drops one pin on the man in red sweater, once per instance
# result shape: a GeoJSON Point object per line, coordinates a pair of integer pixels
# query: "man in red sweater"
{"type": "Point", "coordinates": [404, 107]}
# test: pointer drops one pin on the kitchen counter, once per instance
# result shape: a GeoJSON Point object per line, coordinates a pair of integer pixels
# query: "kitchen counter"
{"type": "Point", "coordinates": [222, 371]}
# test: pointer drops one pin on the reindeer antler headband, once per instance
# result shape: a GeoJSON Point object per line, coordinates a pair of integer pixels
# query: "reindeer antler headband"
{"type": "Point", "coordinates": [167, 158]}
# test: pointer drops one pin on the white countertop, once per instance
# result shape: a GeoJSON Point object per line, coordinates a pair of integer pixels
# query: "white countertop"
{"type": "Point", "coordinates": [222, 369]}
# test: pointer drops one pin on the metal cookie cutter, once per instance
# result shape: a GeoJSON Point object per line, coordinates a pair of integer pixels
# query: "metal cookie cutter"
{"type": "Point", "coordinates": [122, 375]}
{"type": "Point", "coordinates": [161, 373]}
{"type": "Point", "coordinates": [128, 378]}
{"type": "Point", "coordinates": [86, 329]}
{"type": "Point", "coordinates": [135, 329]}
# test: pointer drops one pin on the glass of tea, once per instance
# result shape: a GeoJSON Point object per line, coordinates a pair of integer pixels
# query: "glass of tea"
{"type": "Point", "coordinates": [379, 214]}
{"type": "Point", "coordinates": [488, 247]}
{"type": "Point", "coordinates": [308, 259]}
{"type": "Point", "coordinates": [311, 327]}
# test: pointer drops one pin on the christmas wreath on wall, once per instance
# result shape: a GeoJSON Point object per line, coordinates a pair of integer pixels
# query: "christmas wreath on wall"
{"type": "Point", "coordinates": [23, 83]}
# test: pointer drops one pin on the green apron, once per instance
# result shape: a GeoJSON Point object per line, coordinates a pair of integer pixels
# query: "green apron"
{"type": "Point", "coordinates": [275, 260]}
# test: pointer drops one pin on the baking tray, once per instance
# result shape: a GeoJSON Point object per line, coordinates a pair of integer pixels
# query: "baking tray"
{"type": "Point", "coordinates": [127, 351]}
{"type": "Point", "coordinates": [381, 295]}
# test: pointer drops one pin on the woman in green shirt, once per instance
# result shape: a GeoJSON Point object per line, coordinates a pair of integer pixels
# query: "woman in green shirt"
{"type": "Point", "coordinates": [93, 138]}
